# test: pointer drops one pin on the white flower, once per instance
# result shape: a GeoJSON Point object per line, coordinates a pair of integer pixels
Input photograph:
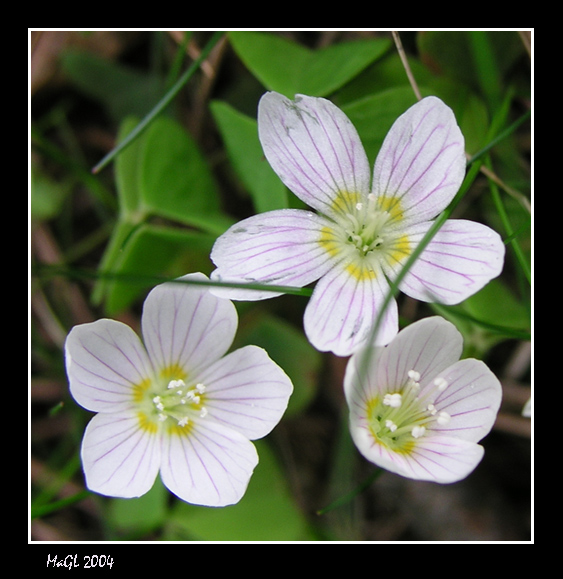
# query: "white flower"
{"type": "Point", "coordinates": [442, 406]}
{"type": "Point", "coordinates": [175, 404]}
{"type": "Point", "coordinates": [364, 230]}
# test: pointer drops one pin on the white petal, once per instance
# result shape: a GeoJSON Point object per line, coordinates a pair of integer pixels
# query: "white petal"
{"type": "Point", "coordinates": [439, 458]}
{"type": "Point", "coordinates": [344, 307]}
{"type": "Point", "coordinates": [472, 400]}
{"type": "Point", "coordinates": [278, 247]}
{"type": "Point", "coordinates": [461, 258]}
{"type": "Point", "coordinates": [246, 391]}
{"type": "Point", "coordinates": [120, 458]}
{"type": "Point", "coordinates": [211, 465]}
{"type": "Point", "coordinates": [186, 326]}
{"type": "Point", "coordinates": [104, 361]}
{"type": "Point", "coordinates": [313, 147]}
{"type": "Point", "coordinates": [421, 164]}
{"type": "Point", "coordinates": [427, 346]}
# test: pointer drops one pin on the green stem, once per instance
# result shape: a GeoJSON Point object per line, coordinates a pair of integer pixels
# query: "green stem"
{"type": "Point", "coordinates": [501, 136]}
{"type": "Point", "coordinates": [165, 101]}
{"type": "Point", "coordinates": [64, 271]}
{"type": "Point", "coordinates": [352, 494]}
{"type": "Point", "coordinates": [436, 225]}
{"type": "Point", "coordinates": [42, 510]}
{"type": "Point", "coordinates": [515, 246]}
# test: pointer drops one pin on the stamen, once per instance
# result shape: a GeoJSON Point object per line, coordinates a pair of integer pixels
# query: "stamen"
{"type": "Point", "coordinates": [391, 425]}
{"type": "Point", "coordinates": [175, 384]}
{"type": "Point", "coordinates": [158, 402]}
{"type": "Point", "coordinates": [393, 400]}
{"type": "Point", "coordinates": [418, 431]}
{"type": "Point", "coordinates": [441, 384]}
{"type": "Point", "coordinates": [183, 421]}
{"type": "Point", "coordinates": [413, 375]}
{"type": "Point", "coordinates": [443, 418]}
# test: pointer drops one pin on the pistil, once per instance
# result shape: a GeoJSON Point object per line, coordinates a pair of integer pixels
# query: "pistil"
{"type": "Point", "coordinates": [403, 415]}
{"type": "Point", "coordinates": [180, 402]}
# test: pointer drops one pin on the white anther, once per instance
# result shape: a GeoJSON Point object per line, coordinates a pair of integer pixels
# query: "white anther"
{"type": "Point", "coordinates": [443, 418]}
{"type": "Point", "coordinates": [183, 421]}
{"type": "Point", "coordinates": [158, 403]}
{"type": "Point", "coordinates": [200, 388]}
{"type": "Point", "coordinates": [203, 412]}
{"type": "Point", "coordinates": [359, 206]}
{"type": "Point", "coordinates": [162, 417]}
{"type": "Point", "coordinates": [432, 409]}
{"type": "Point", "coordinates": [393, 400]}
{"type": "Point", "coordinates": [441, 384]}
{"type": "Point", "coordinates": [391, 425]}
{"type": "Point", "coordinates": [176, 384]}
{"type": "Point", "coordinates": [418, 431]}
{"type": "Point", "coordinates": [413, 375]}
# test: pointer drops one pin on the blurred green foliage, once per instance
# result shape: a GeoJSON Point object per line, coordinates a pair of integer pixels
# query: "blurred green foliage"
{"type": "Point", "coordinates": [171, 208]}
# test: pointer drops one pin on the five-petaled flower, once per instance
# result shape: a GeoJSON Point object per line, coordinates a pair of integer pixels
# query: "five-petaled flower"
{"type": "Point", "coordinates": [416, 409]}
{"type": "Point", "coordinates": [363, 232]}
{"type": "Point", "coordinates": [175, 404]}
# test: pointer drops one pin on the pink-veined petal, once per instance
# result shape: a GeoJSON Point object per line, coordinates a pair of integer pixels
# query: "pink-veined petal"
{"type": "Point", "coordinates": [421, 164]}
{"type": "Point", "coordinates": [120, 457]}
{"type": "Point", "coordinates": [439, 459]}
{"type": "Point", "coordinates": [442, 459]}
{"type": "Point", "coordinates": [314, 148]}
{"type": "Point", "coordinates": [185, 326]}
{"type": "Point", "coordinates": [472, 399]}
{"type": "Point", "coordinates": [278, 247]}
{"type": "Point", "coordinates": [428, 346]}
{"type": "Point", "coordinates": [246, 391]}
{"type": "Point", "coordinates": [104, 360]}
{"type": "Point", "coordinates": [210, 465]}
{"type": "Point", "coordinates": [461, 258]}
{"type": "Point", "coordinates": [343, 309]}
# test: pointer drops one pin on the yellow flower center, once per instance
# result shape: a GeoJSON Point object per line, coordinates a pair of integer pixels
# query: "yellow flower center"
{"type": "Point", "coordinates": [170, 401]}
{"type": "Point", "coordinates": [398, 418]}
{"type": "Point", "coordinates": [365, 234]}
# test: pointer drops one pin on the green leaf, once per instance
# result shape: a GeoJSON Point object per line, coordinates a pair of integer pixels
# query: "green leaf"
{"type": "Point", "coordinates": [373, 116]}
{"type": "Point", "coordinates": [149, 250]}
{"type": "Point", "coordinates": [127, 174]}
{"type": "Point", "coordinates": [290, 68]}
{"type": "Point", "coordinates": [140, 514]}
{"type": "Point", "coordinates": [240, 134]}
{"type": "Point", "coordinates": [488, 317]}
{"type": "Point", "coordinates": [161, 175]}
{"type": "Point", "coordinates": [46, 195]}
{"type": "Point", "coordinates": [122, 90]}
{"type": "Point", "coordinates": [265, 513]}
{"type": "Point", "coordinates": [174, 179]}
{"type": "Point", "coordinates": [451, 53]}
